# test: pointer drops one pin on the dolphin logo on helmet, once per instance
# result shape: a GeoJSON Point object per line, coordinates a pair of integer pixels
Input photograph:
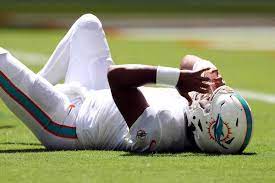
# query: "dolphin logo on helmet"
{"type": "Point", "coordinates": [218, 131]}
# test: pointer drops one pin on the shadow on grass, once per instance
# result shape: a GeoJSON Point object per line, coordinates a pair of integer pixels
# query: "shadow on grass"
{"type": "Point", "coordinates": [6, 127]}
{"type": "Point", "coordinates": [32, 150]}
{"type": "Point", "coordinates": [20, 143]}
{"type": "Point", "coordinates": [185, 154]}
{"type": "Point", "coordinates": [13, 151]}
{"type": "Point", "coordinates": [127, 154]}
{"type": "Point", "coordinates": [124, 154]}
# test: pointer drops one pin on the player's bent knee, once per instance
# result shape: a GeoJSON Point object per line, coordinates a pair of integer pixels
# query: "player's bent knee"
{"type": "Point", "coordinates": [89, 21]}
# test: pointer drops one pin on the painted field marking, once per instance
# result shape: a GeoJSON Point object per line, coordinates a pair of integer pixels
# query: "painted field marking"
{"type": "Point", "coordinates": [263, 97]}
{"type": "Point", "coordinates": [30, 58]}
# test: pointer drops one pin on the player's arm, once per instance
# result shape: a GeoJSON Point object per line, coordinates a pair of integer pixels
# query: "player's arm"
{"type": "Point", "coordinates": [124, 81]}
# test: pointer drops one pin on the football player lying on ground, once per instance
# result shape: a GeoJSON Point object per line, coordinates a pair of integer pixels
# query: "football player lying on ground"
{"type": "Point", "coordinates": [85, 113]}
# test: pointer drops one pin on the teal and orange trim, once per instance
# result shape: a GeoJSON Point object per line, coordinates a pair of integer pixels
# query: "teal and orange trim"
{"type": "Point", "coordinates": [249, 120]}
{"type": "Point", "coordinates": [40, 116]}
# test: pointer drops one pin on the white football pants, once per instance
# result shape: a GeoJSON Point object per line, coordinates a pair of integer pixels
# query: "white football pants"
{"type": "Point", "coordinates": [82, 56]}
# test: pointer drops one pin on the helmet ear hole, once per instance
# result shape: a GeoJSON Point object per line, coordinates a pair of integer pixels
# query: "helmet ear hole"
{"type": "Point", "coordinates": [237, 122]}
{"type": "Point", "coordinates": [199, 124]}
{"type": "Point", "coordinates": [192, 127]}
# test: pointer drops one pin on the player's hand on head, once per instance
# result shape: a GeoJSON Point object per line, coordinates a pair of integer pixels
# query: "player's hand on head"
{"type": "Point", "coordinates": [215, 78]}
{"type": "Point", "coordinates": [192, 81]}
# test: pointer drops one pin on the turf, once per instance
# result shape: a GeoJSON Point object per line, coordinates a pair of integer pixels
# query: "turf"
{"type": "Point", "coordinates": [23, 159]}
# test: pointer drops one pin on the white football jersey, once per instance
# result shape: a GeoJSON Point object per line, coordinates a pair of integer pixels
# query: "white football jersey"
{"type": "Point", "coordinates": [100, 125]}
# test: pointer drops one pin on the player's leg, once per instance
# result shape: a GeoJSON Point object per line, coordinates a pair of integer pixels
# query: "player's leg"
{"type": "Point", "coordinates": [82, 56]}
{"type": "Point", "coordinates": [56, 68]}
{"type": "Point", "coordinates": [90, 54]}
{"type": "Point", "coordinates": [43, 110]}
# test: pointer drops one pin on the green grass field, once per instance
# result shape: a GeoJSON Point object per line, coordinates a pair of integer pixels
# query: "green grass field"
{"type": "Point", "coordinates": [23, 159]}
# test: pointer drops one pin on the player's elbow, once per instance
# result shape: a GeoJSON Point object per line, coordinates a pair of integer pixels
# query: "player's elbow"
{"type": "Point", "coordinates": [120, 77]}
{"type": "Point", "coordinates": [113, 76]}
{"type": "Point", "coordinates": [110, 72]}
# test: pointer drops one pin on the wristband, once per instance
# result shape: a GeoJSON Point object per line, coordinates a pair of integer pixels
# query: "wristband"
{"type": "Point", "coordinates": [167, 76]}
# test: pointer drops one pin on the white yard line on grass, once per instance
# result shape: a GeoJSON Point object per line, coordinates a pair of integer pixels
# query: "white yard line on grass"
{"type": "Point", "coordinates": [263, 97]}
{"type": "Point", "coordinates": [30, 58]}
